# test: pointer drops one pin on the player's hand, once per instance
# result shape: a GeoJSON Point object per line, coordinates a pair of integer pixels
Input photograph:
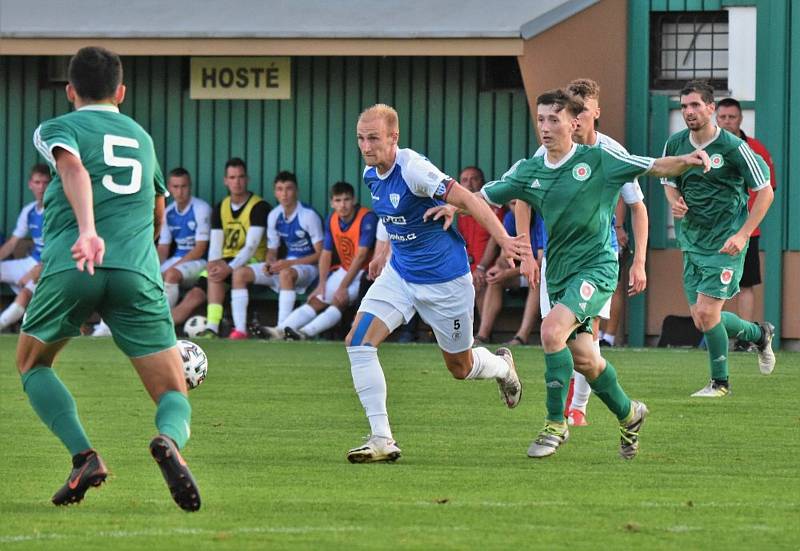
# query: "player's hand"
{"type": "Point", "coordinates": [478, 278]}
{"type": "Point", "coordinates": [637, 279]}
{"type": "Point", "coordinates": [698, 157]}
{"type": "Point", "coordinates": [219, 271]}
{"type": "Point", "coordinates": [376, 267]}
{"type": "Point", "coordinates": [88, 251]}
{"type": "Point", "coordinates": [279, 265]}
{"type": "Point", "coordinates": [341, 297]}
{"type": "Point", "coordinates": [529, 268]}
{"type": "Point", "coordinates": [515, 248]}
{"type": "Point", "coordinates": [445, 212]}
{"type": "Point", "coordinates": [622, 237]}
{"type": "Point", "coordinates": [679, 208]}
{"type": "Point", "coordinates": [734, 245]}
{"type": "Point", "coordinates": [495, 274]}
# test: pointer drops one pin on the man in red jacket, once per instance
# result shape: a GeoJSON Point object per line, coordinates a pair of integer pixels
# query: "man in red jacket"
{"type": "Point", "coordinates": [729, 117]}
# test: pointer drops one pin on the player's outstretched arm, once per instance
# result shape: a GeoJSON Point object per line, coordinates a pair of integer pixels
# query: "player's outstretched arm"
{"type": "Point", "coordinates": [664, 167]}
{"type": "Point", "coordinates": [514, 248]}
{"type": "Point", "coordinates": [89, 248]}
{"type": "Point", "coordinates": [522, 218]}
{"type": "Point", "coordinates": [637, 281]}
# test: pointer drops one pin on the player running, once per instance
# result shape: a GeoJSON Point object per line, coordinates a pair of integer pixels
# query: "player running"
{"type": "Point", "coordinates": [21, 273]}
{"type": "Point", "coordinates": [575, 189]}
{"type": "Point", "coordinates": [715, 231]}
{"type": "Point", "coordinates": [106, 186]}
{"type": "Point", "coordinates": [428, 273]}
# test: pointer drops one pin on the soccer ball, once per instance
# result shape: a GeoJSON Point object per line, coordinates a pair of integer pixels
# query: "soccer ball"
{"type": "Point", "coordinates": [194, 326]}
{"type": "Point", "coordinates": [195, 363]}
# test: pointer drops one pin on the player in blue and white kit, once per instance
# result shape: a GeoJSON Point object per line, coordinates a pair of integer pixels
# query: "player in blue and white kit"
{"type": "Point", "coordinates": [428, 273]}
{"type": "Point", "coordinates": [187, 222]}
{"type": "Point", "coordinates": [21, 274]}
{"type": "Point", "coordinates": [295, 227]}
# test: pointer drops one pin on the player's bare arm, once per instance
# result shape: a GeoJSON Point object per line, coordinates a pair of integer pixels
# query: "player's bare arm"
{"type": "Point", "coordinates": [514, 248]}
{"type": "Point", "coordinates": [664, 167]}
{"type": "Point", "coordinates": [737, 242]}
{"type": "Point", "coordinates": [197, 252]}
{"type": "Point", "coordinates": [8, 247]}
{"type": "Point", "coordinates": [379, 259]}
{"type": "Point", "coordinates": [89, 248]}
{"type": "Point", "coordinates": [676, 202]}
{"type": "Point", "coordinates": [325, 260]}
{"type": "Point", "coordinates": [158, 214]}
{"type": "Point", "coordinates": [528, 265]}
{"type": "Point", "coordinates": [362, 253]}
{"type": "Point", "coordinates": [637, 280]}
{"type": "Point", "coordinates": [312, 258]}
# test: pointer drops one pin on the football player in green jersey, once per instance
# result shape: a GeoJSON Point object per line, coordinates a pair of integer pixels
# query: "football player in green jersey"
{"type": "Point", "coordinates": [575, 188]}
{"type": "Point", "coordinates": [715, 228]}
{"type": "Point", "coordinates": [100, 223]}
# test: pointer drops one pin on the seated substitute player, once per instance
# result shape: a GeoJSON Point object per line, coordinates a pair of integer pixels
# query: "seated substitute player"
{"type": "Point", "coordinates": [630, 194]}
{"type": "Point", "coordinates": [237, 237]}
{"type": "Point", "coordinates": [500, 277]}
{"type": "Point", "coordinates": [715, 229]}
{"type": "Point", "coordinates": [21, 273]}
{"type": "Point", "coordinates": [187, 222]}
{"type": "Point", "coordinates": [295, 228]}
{"type": "Point", "coordinates": [106, 186]}
{"type": "Point", "coordinates": [346, 250]}
{"type": "Point", "coordinates": [575, 188]}
{"type": "Point", "coordinates": [428, 273]}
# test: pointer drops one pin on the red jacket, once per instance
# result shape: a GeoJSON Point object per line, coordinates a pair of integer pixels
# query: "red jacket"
{"type": "Point", "coordinates": [759, 148]}
{"type": "Point", "coordinates": [475, 236]}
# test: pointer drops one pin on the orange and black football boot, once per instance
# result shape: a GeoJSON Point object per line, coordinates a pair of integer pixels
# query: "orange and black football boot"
{"type": "Point", "coordinates": [176, 473]}
{"type": "Point", "coordinates": [88, 470]}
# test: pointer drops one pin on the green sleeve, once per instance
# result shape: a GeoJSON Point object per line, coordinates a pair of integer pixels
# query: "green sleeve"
{"type": "Point", "coordinates": [508, 187]}
{"type": "Point", "coordinates": [751, 166]}
{"type": "Point", "coordinates": [621, 167]}
{"type": "Point", "coordinates": [54, 133]}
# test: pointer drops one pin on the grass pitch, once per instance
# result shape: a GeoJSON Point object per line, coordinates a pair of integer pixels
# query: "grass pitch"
{"type": "Point", "coordinates": [273, 421]}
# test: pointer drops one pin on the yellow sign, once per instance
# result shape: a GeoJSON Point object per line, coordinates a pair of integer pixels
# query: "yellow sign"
{"type": "Point", "coordinates": [241, 78]}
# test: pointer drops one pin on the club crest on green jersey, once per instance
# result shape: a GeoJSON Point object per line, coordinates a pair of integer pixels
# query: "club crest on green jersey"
{"type": "Point", "coordinates": [716, 160]}
{"type": "Point", "coordinates": [726, 276]}
{"type": "Point", "coordinates": [581, 172]}
{"type": "Point", "coordinates": [587, 290]}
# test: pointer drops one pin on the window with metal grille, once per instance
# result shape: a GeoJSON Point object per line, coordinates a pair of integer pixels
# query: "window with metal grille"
{"type": "Point", "coordinates": [686, 46]}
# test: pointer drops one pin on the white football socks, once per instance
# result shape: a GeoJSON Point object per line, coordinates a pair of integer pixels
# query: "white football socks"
{"type": "Point", "coordinates": [299, 317]}
{"type": "Point", "coordinates": [285, 305]}
{"type": "Point", "coordinates": [486, 365]}
{"type": "Point", "coordinates": [173, 292]}
{"type": "Point", "coordinates": [11, 315]}
{"type": "Point", "coordinates": [580, 393]}
{"type": "Point", "coordinates": [239, 300]}
{"type": "Point", "coordinates": [324, 321]}
{"type": "Point", "coordinates": [370, 385]}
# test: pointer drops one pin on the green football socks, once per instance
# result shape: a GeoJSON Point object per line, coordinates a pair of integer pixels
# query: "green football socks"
{"type": "Point", "coordinates": [610, 392]}
{"type": "Point", "coordinates": [173, 416]}
{"type": "Point", "coordinates": [740, 329]}
{"type": "Point", "coordinates": [717, 344]}
{"type": "Point", "coordinates": [558, 370]}
{"type": "Point", "coordinates": [55, 406]}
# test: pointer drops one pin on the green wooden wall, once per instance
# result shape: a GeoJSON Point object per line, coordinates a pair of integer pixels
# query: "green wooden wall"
{"type": "Point", "coordinates": [443, 115]}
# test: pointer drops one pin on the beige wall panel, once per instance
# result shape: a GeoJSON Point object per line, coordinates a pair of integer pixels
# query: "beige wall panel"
{"type": "Point", "coordinates": [591, 44]}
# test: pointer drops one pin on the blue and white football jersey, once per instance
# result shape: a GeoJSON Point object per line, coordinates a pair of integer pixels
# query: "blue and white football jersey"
{"type": "Point", "coordinates": [298, 233]}
{"type": "Point", "coordinates": [31, 223]}
{"type": "Point", "coordinates": [186, 228]}
{"type": "Point", "coordinates": [422, 252]}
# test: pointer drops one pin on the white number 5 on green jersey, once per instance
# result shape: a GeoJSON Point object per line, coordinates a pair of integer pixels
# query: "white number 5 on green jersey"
{"type": "Point", "coordinates": [109, 141]}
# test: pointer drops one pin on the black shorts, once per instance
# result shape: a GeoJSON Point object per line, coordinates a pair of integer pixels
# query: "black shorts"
{"type": "Point", "coordinates": [751, 275]}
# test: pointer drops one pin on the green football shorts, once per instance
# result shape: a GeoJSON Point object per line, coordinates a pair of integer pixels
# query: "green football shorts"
{"type": "Point", "coordinates": [714, 275]}
{"type": "Point", "coordinates": [133, 306]}
{"type": "Point", "coordinates": [584, 299]}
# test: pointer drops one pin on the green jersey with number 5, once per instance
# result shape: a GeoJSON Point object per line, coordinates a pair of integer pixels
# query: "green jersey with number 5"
{"type": "Point", "coordinates": [118, 155]}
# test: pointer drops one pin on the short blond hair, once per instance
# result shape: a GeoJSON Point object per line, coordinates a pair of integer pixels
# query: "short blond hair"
{"type": "Point", "coordinates": [385, 112]}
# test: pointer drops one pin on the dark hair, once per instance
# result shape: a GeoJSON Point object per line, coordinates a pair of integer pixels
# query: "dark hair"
{"type": "Point", "coordinates": [40, 168]}
{"type": "Point", "coordinates": [179, 172]}
{"type": "Point", "coordinates": [701, 87]}
{"type": "Point", "coordinates": [342, 188]}
{"type": "Point", "coordinates": [235, 162]}
{"type": "Point", "coordinates": [585, 88]}
{"type": "Point", "coordinates": [480, 172]}
{"type": "Point", "coordinates": [729, 102]}
{"type": "Point", "coordinates": [562, 100]}
{"type": "Point", "coordinates": [285, 176]}
{"type": "Point", "coordinates": [95, 73]}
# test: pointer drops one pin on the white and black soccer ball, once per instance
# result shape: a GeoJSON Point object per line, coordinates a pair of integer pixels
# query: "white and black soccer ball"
{"type": "Point", "coordinates": [194, 326]}
{"type": "Point", "coordinates": [195, 363]}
